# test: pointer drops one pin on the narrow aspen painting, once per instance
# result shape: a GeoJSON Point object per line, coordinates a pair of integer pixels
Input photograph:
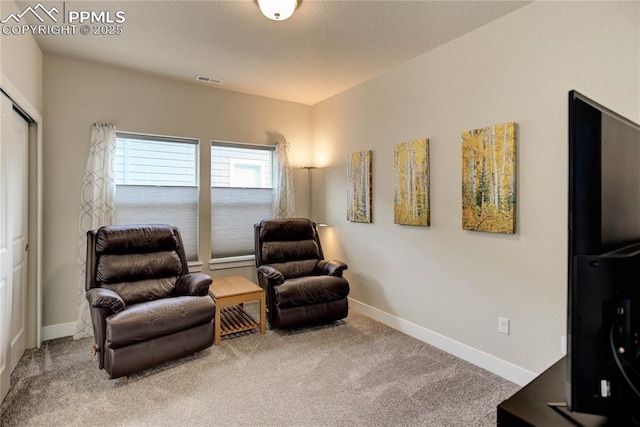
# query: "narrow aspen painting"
{"type": "Point", "coordinates": [411, 174]}
{"type": "Point", "coordinates": [359, 186]}
{"type": "Point", "coordinates": [489, 179]}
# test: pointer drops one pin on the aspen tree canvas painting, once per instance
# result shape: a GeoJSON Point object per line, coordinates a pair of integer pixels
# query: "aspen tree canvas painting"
{"type": "Point", "coordinates": [411, 175]}
{"type": "Point", "coordinates": [489, 179]}
{"type": "Point", "coordinates": [359, 186]}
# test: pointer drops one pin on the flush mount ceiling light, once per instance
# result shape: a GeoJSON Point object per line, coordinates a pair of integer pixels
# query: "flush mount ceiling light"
{"type": "Point", "coordinates": [278, 10]}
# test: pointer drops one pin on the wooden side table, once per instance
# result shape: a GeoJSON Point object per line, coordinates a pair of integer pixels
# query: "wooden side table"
{"type": "Point", "coordinates": [230, 294]}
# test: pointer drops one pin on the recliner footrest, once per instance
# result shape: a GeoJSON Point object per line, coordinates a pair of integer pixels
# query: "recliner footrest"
{"type": "Point", "coordinates": [152, 319]}
{"type": "Point", "coordinates": [304, 315]}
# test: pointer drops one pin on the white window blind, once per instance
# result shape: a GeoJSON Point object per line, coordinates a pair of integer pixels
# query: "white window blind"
{"type": "Point", "coordinates": [157, 182]}
{"type": "Point", "coordinates": [241, 195]}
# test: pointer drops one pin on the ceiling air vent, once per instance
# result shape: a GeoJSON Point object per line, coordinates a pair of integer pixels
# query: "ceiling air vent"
{"type": "Point", "coordinates": [208, 80]}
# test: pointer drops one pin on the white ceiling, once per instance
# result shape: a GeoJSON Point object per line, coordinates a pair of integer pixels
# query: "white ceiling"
{"type": "Point", "coordinates": [325, 48]}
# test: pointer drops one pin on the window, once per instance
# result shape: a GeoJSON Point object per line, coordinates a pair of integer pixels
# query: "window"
{"type": "Point", "coordinates": [241, 165]}
{"type": "Point", "coordinates": [157, 182]}
{"type": "Point", "coordinates": [241, 195]}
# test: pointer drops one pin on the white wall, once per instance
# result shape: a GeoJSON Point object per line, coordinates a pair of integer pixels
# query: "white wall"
{"type": "Point", "coordinates": [79, 93]}
{"type": "Point", "coordinates": [21, 60]}
{"type": "Point", "coordinates": [441, 282]}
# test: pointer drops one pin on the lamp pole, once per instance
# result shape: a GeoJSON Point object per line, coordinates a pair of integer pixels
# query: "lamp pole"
{"type": "Point", "coordinates": [309, 193]}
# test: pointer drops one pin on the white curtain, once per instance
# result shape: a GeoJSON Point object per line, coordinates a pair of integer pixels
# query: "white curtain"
{"type": "Point", "coordinates": [284, 205]}
{"type": "Point", "coordinates": [97, 208]}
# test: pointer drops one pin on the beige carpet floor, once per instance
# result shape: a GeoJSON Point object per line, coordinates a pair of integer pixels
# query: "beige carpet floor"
{"type": "Point", "coordinates": [354, 372]}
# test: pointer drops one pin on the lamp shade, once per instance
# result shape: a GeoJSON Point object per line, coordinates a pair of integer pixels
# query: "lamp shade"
{"type": "Point", "coordinates": [277, 10]}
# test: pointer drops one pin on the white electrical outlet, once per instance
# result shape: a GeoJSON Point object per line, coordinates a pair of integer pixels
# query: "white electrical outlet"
{"type": "Point", "coordinates": [503, 325]}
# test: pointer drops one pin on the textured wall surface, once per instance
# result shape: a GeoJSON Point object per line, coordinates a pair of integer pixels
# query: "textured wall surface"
{"type": "Point", "coordinates": [453, 282]}
{"type": "Point", "coordinates": [79, 93]}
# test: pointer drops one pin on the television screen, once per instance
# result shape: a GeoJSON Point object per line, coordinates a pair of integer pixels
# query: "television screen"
{"type": "Point", "coordinates": [620, 182]}
{"type": "Point", "coordinates": [603, 261]}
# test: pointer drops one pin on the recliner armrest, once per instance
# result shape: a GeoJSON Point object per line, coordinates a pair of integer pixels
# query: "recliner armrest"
{"type": "Point", "coordinates": [193, 284]}
{"type": "Point", "coordinates": [105, 298]}
{"type": "Point", "coordinates": [271, 274]}
{"type": "Point", "coordinates": [330, 267]}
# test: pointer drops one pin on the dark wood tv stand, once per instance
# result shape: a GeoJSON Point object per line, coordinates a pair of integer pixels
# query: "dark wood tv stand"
{"type": "Point", "coordinates": [530, 405]}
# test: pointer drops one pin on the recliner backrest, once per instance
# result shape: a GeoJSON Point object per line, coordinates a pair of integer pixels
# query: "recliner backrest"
{"type": "Point", "coordinates": [138, 262]}
{"type": "Point", "coordinates": [290, 245]}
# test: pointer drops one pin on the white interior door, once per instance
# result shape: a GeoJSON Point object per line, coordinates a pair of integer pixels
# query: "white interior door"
{"type": "Point", "coordinates": [14, 138]}
{"type": "Point", "coordinates": [18, 205]}
{"type": "Point", "coordinates": [6, 249]}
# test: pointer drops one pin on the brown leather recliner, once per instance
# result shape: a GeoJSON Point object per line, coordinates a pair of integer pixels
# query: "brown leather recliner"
{"type": "Point", "coordinates": [146, 308]}
{"type": "Point", "coordinates": [301, 287]}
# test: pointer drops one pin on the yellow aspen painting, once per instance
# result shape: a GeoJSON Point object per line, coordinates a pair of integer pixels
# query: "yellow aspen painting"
{"type": "Point", "coordinates": [489, 179]}
{"type": "Point", "coordinates": [411, 174]}
{"type": "Point", "coordinates": [359, 186]}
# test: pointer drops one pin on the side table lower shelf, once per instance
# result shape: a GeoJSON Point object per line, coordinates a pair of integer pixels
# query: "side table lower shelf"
{"type": "Point", "coordinates": [234, 319]}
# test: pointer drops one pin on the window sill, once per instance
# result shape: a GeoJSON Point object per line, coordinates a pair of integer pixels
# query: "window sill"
{"type": "Point", "coordinates": [194, 266]}
{"type": "Point", "coordinates": [232, 262]}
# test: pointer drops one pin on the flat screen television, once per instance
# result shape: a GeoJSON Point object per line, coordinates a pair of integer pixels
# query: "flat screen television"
{"type": "Point", "coordinates": [603, 363]}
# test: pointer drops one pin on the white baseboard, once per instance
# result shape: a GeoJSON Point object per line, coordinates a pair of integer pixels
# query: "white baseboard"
{"type": "Point", "coordinates": [500, 367]}
{"type": "Point", "coordinates": [58, 331]}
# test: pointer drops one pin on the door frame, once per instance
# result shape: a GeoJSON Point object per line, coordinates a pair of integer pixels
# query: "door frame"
{"type": "Point", "coordinates": [34, 271]}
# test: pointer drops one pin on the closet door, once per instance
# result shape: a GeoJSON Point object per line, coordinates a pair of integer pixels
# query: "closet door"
{"type": "Point", "coordinates": [14, 138]}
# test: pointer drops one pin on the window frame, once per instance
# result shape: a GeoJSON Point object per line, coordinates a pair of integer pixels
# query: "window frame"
{"type": "Point", "coordinates": [201, 151]}
{"type": "Point", "coordinates": [240, 260]}
{"type": "Point", "coordinates": [194, 265]}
